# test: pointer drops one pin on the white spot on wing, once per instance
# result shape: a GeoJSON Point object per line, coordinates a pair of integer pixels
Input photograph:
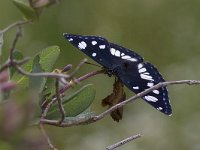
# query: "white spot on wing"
{"type": "Point", "coordinates": [94, 54]}
{"type": "Point", "coordinates": [150, 84]}
{"type": "Point", "coordinates": [94, 42]}
{"type": "Point", "coordinates": [151, 98]}
{"type": "Point", "coordinates": [117, 53]}
{"type": "Point", "coordinates": [136, 87]}
{"type": "Point", "coordinates": [156, 91]}
{"type": "Point", "coordinates": [142, 70]}
{"type": "Point", "coordinates": [102, 46]}
{"type": "Point", "coordinates": [160, 108]}
{"type": "Point", "coordinates": [146, 77]}
{"type": "Point", "coordinates": [122, 54]}
{"type": "Point", "coordinates": [146, 73]}
{"type": "Point", "coordinates": [133, 59]}
{"type": "Point", "coordinates": [112, 50]}
{"type": "Point", "coordinates": [126, 57]}
{"type": "Point", "coordinates": [140, 66]}
{"type": "Point", "coordinates": [70, 40]}
{"type": "Point", "coordinates": [82, 45]}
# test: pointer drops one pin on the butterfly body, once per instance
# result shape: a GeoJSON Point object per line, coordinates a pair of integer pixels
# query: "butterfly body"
{"type": "Point", "coordinates": [128, 66]}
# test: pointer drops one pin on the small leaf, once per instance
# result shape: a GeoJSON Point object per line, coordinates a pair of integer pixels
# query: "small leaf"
{"type": "Point", "coordinates": [21, 80]}
{"type": "Point", "coordinates": [1, 42]}
{"type": "Point", "coordinates": [43, 61]}
{"type": "Point", "coordinates": [24, 6]}
{"type": "Point", "coordinates": [48, 57]}
{"type": "Point", "coordinates": [76, 103]}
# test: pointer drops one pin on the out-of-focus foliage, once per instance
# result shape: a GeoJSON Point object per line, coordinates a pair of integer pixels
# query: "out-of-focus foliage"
{"type": "Point", "coordinates": [166, 33]}
{"type": "Point", "coordinates": [26, 9]}
{"type": "Point", "coordinates": [16, 115]}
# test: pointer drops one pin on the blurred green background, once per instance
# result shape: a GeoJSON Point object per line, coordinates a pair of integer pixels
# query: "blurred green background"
{"type": "Point", "coordinates": [165, 33]}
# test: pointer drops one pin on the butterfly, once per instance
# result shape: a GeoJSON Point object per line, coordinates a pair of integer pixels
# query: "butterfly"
{"type": "Point", "coordinates": [128, 66]}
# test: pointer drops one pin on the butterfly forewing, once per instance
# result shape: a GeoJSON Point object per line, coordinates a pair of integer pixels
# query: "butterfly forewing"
{"type": "Point", "coordinates": [121, 54]}
{"type": "Point", "coordinates": [95, 47]}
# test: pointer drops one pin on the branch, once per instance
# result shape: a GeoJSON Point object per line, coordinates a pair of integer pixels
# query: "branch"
{"type": "Point", "coordinates": [81, 121]}
{"type": "Point", "coordinates": [61, 108]}
{"type": "Point", "coordinates": [17, 36]}
{"type": "Point", "coordinates": [47, 137]}
{"type": "Point", "coordinates": [11, 61]}
{"type": "Point", "coordinates": [78, 68]}
{"type": "Point", "coordinates": [124, 141]}
{"type": "Point", "coordinates": [42, 74]}
{"type": "Point", "coordinates": [91, 74]}
{"type": "Point", "coordinates": [16, 24]}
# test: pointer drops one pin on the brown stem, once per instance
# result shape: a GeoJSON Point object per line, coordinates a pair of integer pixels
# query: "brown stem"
{"type": "Point", "coordinates": [61, 108]}
{"type": "Point", "coordinates": [124, 141]}
{"type": "Point", "coordinates": [93, 119]}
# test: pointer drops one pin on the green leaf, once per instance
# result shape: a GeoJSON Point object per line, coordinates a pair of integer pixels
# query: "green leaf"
{"type": "Point", "coordinates": [21, 80]}
{"type": "Point", "coordinates": [43, 61]}
{"type": "Point", "coordinates": [24, 6]}
{"type": "Point", "coordinates": [1, 42]}
{"type": "Point", "coordinates": [76, 103]}
{"type": "Point", "coordinates": [37, 82]}
{"type": "Point", "coordinates": [48, 57]}
{"type": "Point", "coordinates": [48, 90]}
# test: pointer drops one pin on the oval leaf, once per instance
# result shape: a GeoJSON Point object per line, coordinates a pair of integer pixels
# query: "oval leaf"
{"type": "Point", "coordinates": [75, 104]}
{"type": "Point", "coordinates": [24, 6]}
{"type": "Point", "coordinates": [43, 61]}
{"type": "Point", "coordinates": [48, 57]}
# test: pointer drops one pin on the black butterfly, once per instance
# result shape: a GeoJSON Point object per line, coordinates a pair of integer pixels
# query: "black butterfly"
{"type": "Point", "coordinates": [127, 65]}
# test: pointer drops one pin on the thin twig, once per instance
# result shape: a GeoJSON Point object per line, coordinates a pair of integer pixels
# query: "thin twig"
{"type": "Point", "coordinates": [18, 23]}
{"type": "Point", "coordinates": [8, 63]}
{"type": "Point", "coordinates": [124, 141]}
{"type": "Point", "coordinates": [46, 110]}
{"type": "Point", "coordinates": [141, 94]}
{"type": "Point", "coordinates": [78, 68]}
{"type": "Point", "coordinates": [42, 74]}
{"type": "Point", "coordinates": [17, 36]}
{"type": "Point", "coordinates": [69, 123]}
{"type": "Point", "coordinates": [60, 105]}
{"type": "Point", "coordinates": [91, 74]}
{"type": "Point", "coordinates": [47, 137]}
{"type": "Point", "coordinates": [11, 61]}
{"type": "Point", "coordinates": [5, 66]}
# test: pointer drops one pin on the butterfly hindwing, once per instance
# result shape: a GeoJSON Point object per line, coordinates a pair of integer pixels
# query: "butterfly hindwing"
{"type": "Point", "coordinates": [141, 77]}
